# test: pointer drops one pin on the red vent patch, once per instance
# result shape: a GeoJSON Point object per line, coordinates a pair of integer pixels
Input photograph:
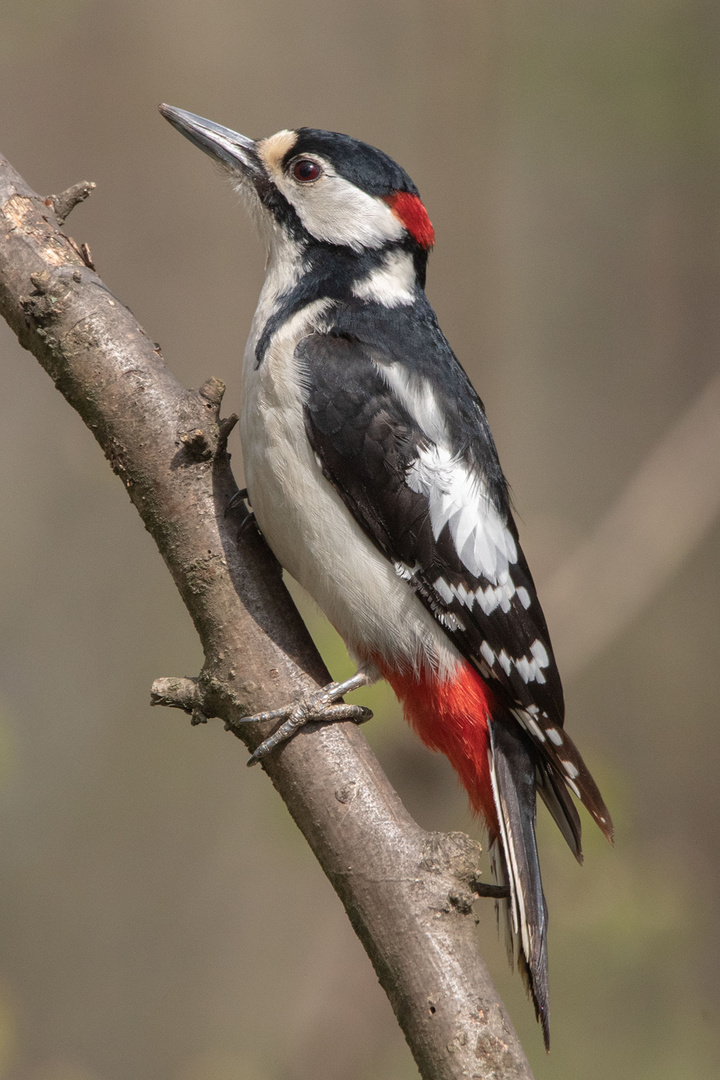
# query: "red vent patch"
{"type": "Point", "coordinates": [414, 217]}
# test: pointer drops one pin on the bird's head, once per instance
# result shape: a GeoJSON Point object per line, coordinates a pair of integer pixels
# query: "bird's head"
{"type": "Point", "coordinates": [318, 187]}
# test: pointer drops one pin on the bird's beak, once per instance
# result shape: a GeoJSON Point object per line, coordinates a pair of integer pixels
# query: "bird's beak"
{"type": "Point", "coordinates": [234, 151]}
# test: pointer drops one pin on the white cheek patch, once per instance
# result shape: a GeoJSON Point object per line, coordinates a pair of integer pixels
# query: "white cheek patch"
{"type": "Point", "coordinates": [334, 210]}
{"type": "Point", "coordinates": [458, 497]}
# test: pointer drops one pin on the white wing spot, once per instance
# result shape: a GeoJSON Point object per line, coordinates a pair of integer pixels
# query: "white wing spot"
{"type": "Point", "coordinates": [570, 769]}
{"type": "Point", "coordinates": [505, 662]}
{"type": "Point", "coordinates": [554, 736]}
{"type": "Point", "coordinates": [498, 596]}
{"type": "Point", "coordinates": [534, 727]}
{"type": "Point", "coordinates": [527, 667]}
{"type": "Point", "coordinates": [487, 599]}
{"type": "Point", "coordinates": [508, 593]}
{"type": "Point", "coordinates": [524, 669]}
{"type": "Point", "coordinates": [443, 590]}
{"type": "Point", "coordinates": [539, 651]}
{"type": "Point", "coordinates": [487, 653]}
{"type": "Point", "coordinates": [524, 597]}
{"type": "Point", "coordinates": [465, 596]}
{"type": "Point", "coordinates": [451, 621]}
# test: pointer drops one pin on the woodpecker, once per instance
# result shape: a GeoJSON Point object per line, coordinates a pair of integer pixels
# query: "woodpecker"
{"type": "Point", "coordinates": [374, 477]}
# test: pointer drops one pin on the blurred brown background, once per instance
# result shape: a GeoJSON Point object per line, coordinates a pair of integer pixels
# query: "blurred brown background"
{"type": "Point", "coordinates": [161, 917]}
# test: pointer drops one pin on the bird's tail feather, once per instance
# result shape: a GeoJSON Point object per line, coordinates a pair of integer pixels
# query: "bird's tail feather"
{"type": "Point", "coordinates": [516, 863]}
{"type": "Point", "coordinates": [555, 796]}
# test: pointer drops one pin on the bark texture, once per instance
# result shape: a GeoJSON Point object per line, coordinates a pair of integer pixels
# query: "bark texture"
{"type": "Point", "coordinates": [408, 893]}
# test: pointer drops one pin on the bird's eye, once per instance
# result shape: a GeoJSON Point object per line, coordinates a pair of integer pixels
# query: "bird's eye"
{"type": "Point", "coordinates": [306, 170]}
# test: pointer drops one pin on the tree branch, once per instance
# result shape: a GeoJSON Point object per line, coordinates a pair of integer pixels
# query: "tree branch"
{"type": "Point", "coordinates": [408, 893]}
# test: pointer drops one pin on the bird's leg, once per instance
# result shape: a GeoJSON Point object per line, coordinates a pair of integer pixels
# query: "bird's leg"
{"type": "Point", "coordinates": [315, 706]}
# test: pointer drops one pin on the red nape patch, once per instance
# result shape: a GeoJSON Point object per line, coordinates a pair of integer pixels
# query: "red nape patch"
{"type": "Point", "coordinates": [452, 717]}
{"type": "Point", "coordinates": [413, 215]}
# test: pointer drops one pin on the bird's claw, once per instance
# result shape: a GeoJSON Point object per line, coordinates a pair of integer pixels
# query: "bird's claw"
{"type": "Point", "coordinates": [241, 495]}
{"type": "Point", "coordinates": [318, 706]}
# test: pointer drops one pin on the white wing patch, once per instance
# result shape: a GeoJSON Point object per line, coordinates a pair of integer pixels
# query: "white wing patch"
{"type": "Point", "coordinates": [458, 497]}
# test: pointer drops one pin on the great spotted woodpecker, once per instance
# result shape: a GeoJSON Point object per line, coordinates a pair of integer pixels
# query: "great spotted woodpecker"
{"type": "Point", "coordinates": [373, 475]}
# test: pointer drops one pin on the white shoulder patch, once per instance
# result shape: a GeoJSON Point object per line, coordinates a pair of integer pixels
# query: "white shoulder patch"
{"type": "Point", "coordinates": [418, 397]}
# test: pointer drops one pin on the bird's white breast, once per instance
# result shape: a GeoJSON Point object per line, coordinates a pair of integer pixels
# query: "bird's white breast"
{"type": "Point", "coordinates": [309, 528]}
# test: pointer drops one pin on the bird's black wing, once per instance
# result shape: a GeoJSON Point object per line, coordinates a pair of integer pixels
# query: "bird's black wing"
{"type": "Point", "coordinates": [404, 440]}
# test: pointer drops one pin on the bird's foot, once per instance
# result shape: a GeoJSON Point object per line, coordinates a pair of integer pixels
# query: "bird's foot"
{"type": "Point", "coordinates": [313, 707]}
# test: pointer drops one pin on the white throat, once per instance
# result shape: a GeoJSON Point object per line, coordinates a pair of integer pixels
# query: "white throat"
{"type": "Point", "coordinates": [284, 268]}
